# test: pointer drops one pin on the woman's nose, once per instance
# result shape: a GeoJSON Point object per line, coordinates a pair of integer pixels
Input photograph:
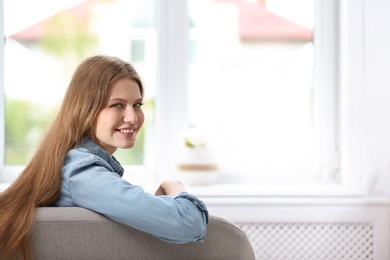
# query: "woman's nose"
{"type": "Point", "coordinates": [130, 116]}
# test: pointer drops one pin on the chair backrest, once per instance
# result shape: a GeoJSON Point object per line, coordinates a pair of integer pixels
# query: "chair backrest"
{"type": "Point", "coordinates": [77, 233]}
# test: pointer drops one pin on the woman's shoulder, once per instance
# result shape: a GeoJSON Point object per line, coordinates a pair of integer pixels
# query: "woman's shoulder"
{"type": "Point", "coordinates": [88, 151]}
{"type": "Point", "coordinates": [89, 156]}
{"type": "Point", "coordinates": [81, 157]}
{"type": "Point", "coordinates": [81, 152]}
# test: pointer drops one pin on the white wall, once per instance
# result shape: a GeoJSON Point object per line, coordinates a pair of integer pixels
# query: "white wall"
{"type": "Point", "coordinates": [365, 94]}
{"type": "Point", "coordinates": [377, 86]}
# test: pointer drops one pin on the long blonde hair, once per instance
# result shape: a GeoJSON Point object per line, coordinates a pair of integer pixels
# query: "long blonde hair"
{"type": "Point", "coordinates": [40, 182]}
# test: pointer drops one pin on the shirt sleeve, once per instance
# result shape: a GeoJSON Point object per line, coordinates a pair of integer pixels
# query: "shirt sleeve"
{"type": "Point", "coordinates": [177, 219]}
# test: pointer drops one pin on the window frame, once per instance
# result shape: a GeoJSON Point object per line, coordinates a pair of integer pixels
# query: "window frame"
{"type": "Point", "coordinates": [342, 177]}
{"type": "Point", "coordinates": [173, 96]}
{"type": "Point", "coordinates": [171, 91]}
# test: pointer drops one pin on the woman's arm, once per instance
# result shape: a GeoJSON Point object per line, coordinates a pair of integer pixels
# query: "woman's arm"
{"type": "Point", "coordinates": [173, 216]}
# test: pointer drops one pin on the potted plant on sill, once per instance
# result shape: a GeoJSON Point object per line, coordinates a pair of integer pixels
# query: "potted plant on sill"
{"type": "Point", "coordinates": [197, 164]}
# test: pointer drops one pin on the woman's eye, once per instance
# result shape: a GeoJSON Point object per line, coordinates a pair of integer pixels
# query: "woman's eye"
{"type": "Point", "coordinates": [117, 105]}
{"type": "Point", "coordinates": [138, 105]}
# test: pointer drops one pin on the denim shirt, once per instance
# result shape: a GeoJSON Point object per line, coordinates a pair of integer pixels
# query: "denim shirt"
{"type": "Point", "coordinates": [92, 179]}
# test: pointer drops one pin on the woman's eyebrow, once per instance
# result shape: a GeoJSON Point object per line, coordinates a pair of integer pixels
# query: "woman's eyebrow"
{"type": "Point", "coordinates": [118, 99]}
{"type": "Point", "coordinates": [124, 100]}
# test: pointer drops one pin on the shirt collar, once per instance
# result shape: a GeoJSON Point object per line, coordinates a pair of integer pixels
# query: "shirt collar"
{"type": "Point", "coordinates": [95, 149]}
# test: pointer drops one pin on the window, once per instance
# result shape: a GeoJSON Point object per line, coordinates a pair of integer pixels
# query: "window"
{"type": "Point", "coordinates": [267, 100]}
{"type": "Point", "coordinates": [254, 92]}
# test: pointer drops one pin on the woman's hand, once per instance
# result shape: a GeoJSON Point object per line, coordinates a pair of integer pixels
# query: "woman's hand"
{"type": "Point", "coordinates": [170, 188]}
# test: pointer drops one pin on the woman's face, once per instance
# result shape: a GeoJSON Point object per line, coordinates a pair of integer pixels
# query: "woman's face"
{"type": "Point", "coordinates": [121, 118]}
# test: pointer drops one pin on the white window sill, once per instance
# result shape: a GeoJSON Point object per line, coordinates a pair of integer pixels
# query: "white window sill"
{"type": "Point", "coordinates": [264, 190]}
{"type": "Point", "coordinates": [254, 195]}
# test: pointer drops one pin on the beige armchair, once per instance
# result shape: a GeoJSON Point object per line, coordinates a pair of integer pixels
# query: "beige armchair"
{"type": "Point", "coordinates": [77, 233]}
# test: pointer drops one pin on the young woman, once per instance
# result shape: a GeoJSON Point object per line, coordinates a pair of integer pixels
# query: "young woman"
{"type": "Point", "coordinates": [74, 165]}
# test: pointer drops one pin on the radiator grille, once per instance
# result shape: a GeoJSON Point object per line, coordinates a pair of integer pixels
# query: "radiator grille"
{"type": "Point", "coordinates": [311, 241]}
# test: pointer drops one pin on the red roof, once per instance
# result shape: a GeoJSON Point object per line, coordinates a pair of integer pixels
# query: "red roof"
{"type": "Point", "coordinates": [256, 23]}
{"type": "Point", "coordinates": [31, 33]}
{"type": "Point", "coordinates": [36, 31]}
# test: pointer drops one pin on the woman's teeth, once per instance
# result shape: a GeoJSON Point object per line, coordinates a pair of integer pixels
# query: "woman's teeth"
{"type": "Point", "coordinates": [127, 131]}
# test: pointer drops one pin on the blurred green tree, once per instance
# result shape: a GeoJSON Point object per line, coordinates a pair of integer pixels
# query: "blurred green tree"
{"type": "Point", "coordinates": [25, 124]}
